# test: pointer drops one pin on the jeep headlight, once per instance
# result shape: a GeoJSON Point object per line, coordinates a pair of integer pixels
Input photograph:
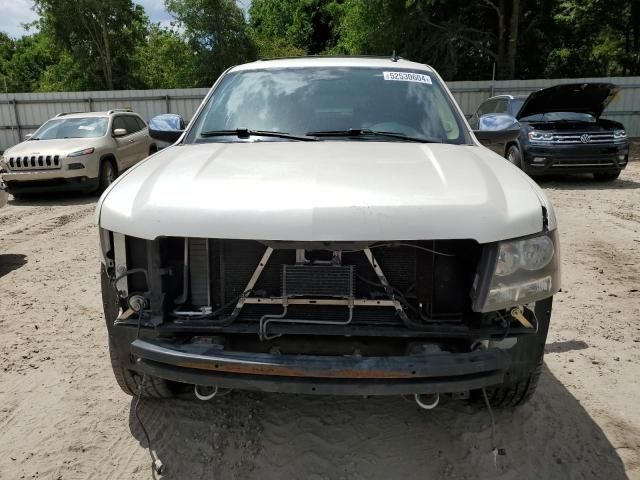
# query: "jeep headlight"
{"type": "Point", "coordinates": [517, 272]}
{"type": "Point", "coordinates": [80, 153]}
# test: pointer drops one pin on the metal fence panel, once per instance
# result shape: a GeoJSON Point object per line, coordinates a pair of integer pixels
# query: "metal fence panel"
{"type": "Point", "coordinates": [23, 113]}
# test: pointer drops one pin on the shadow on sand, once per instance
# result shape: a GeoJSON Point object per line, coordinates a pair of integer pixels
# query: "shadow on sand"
{"type": "Point", "coordinates": [270, 436]}
{"type": "Point", "coordinates": [53, 199]}
{"type": "Point", "coordinates": [585, 182]}
{"type": "Point", "coordinates": [10, 262]}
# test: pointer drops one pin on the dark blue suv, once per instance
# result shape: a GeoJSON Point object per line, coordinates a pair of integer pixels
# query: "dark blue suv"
{"type": "Point", "coordinates": [561, 130]}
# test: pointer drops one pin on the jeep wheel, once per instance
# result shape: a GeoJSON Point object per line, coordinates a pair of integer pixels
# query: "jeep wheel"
{"type": "Point", "coordinates": [513, 155]}
{"type": "Point", "coordinates": [521, 379]}
{"type": "Point", "coordinates": [131, 382]}
{"type": "Point", "coordinates": [107, 175]}
{"type": "Point", "coordinates": [606, 177]}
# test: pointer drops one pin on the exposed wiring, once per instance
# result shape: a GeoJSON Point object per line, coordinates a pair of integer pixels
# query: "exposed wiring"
{"type": "Point", "coordinates": [156, 464]}
{"type": "Point", "coordinates": [131, 272]}
{"type": "Point", "coordinates": [402, 244]}
{"type": "Point", "coordinates": [494, 448]}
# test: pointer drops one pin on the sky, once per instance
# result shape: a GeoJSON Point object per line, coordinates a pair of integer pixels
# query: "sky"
{"type": "Point", "coordinates": [17, 12]}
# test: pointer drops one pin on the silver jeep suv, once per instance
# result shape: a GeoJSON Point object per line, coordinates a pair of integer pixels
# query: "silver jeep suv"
{"type": "Point", "coordinates": [77, 151]}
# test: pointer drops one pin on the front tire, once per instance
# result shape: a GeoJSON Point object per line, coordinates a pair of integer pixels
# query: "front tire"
{"type": "Point", "coordinates": [521, 379]}
{"type": "Point", "coordinates": [134, 384]}
{"type": "Point", "coordinates": [130, 382]}
{"type": "Point", "coordinates": [514, 156]}
{"type": "Point", "coordinates": [108, 174]}
{"type": "Point", "coordinates": [606, 177]}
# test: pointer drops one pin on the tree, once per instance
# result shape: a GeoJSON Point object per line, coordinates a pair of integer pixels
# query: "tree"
{"type": "Point", "coordinates": [165, 60]}
{"type": "Point", "coordinates": [597, 38]}
{"type": "Point", "coordinates": [217, 32]}
{"type": "Point", "coordinates": [100, 34]}
{"type": "Point", "coordinates": [293, 25]}
{"type": "Point", "coordinates": [28, 64]}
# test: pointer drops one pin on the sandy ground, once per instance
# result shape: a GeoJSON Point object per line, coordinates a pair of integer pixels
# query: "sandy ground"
{"type": "Point", "coordinates": [62, 415]}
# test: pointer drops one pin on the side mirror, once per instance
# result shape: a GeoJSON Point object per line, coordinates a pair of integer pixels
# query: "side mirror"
{"type": "Point", "coordinates": [496, 128]}
{"type": "Point", "coordinates": [28, 136]}
{"type": "Point", "coordinates": [119, 132]}
{"type": "Point", "coordinates": [167, 127]}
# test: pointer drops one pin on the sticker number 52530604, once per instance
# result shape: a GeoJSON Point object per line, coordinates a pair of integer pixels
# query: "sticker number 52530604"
{"type": "Point", "coordinates": [407, 77]}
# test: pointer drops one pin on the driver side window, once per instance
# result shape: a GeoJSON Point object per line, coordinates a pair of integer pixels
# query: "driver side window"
{"type": "Point", "coordinates": [119, 122]}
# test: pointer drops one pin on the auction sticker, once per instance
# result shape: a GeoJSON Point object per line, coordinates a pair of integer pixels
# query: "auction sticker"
{"type": "Point", "coordinates": [407, 77]}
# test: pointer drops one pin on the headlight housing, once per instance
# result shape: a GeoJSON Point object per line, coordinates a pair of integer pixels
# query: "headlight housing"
{"type": "Point", "coordinates": [518, 272]}
{"type": "Point", "coordinates": [619, 135]}
{"type": "Point", "coordinates": [540, 137]}
{"type": "Point", "coordinates": [80, 153]}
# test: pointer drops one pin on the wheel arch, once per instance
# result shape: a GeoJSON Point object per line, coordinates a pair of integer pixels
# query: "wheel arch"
{"type": "Point", "coordinates": [110, 157]}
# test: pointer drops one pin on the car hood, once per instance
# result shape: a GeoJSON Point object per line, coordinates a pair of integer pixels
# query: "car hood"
{"type": "Point", "coordinates": [60, 146]}
{"type": "Point", "coordinates": [324, 191]}
{"type": "Point", "coordinates": [590, 98]}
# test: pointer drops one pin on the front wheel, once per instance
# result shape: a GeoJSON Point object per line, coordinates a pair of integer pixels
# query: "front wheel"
{"type": "Point", "coordinates": [107, 175]}
{"type": "Point", "coordinates": [132, 383]}
{"type": "Point", "coordinates": [514, 156]}
{"type": "Point", "coordinates": [521, 379]}
{"type": "Point", "coordinates": [606, 177]}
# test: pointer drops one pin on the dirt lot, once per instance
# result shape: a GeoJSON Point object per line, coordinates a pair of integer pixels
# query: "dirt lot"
{"type": "Point", "coordinates": [62, 415]}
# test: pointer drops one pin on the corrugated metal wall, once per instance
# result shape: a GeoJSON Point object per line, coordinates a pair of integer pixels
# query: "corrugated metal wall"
{"type": "Point", "coordinates": [22, 113]}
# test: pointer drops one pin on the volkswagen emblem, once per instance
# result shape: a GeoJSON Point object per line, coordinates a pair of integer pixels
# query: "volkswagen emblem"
{"type": "Point", "coordinates": [585, 138]}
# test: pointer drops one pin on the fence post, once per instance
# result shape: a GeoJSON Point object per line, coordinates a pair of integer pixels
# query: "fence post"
{"type": "Point", "coordinates": [168, 105]}
{"type": "Point", "coordinates": [17, 117]}
{"type": "Point", "coordinates": [89, 101]}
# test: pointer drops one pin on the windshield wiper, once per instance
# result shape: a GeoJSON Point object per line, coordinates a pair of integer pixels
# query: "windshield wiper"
{"type": "Point", "coordinates": [365, 132]}
{"type": "Point", "coordinates": [246, 133]}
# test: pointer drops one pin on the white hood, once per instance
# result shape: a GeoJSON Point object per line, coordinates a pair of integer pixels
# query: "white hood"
{"type": "Point", "coordinates": [324, 191]}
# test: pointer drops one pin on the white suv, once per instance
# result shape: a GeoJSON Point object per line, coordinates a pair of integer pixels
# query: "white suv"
{"type": "Point", "coordinates": [77, 151]}
{"type": "Point", "coordinates": [328, 226]}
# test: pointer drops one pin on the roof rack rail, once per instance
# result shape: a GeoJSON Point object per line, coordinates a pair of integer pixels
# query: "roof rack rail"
{"type": "Point", "coordinates": [62, 114]}
{"type": "Point", "coordinates": [114, 110]}
{"type": "Point", "coordinates": [294, 57]}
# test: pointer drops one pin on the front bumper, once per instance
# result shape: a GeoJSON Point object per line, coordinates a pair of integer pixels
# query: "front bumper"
{"type": "Point", "coordinates": [36, 183]}
{"type": "Point", "coordinates": [576, 158]}
{"type": "Point", "coordinates": [203, 364]}
{"type": "Point", "coordinates": [55, 179]}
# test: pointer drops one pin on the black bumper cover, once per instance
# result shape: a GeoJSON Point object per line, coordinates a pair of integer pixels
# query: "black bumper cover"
{"type": "Point", "coordinates": [308, 374]}
{"type": "Point", "coordinates": [73, 184]}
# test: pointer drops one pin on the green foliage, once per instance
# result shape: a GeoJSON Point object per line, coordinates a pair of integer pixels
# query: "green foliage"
{"type": "Point", "coordinates": [98, 44]}
{"type": "Point", "coordinates": [217, 32]}
{"type": "Point", "coordinates": [293, 26]}
{"type": "Point", "coordinates": [597, 38]}
{"type": "Point", "coordinates": [100, 34]}
{"type": "Point", "coordinates": [165, 60]}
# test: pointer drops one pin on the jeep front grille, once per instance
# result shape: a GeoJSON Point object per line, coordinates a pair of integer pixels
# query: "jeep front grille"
{"type": "Point", "coordinates": [34, 162]}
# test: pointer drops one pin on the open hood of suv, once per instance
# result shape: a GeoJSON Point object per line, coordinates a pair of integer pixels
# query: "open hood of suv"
{"type": "Point", "coordinates": [324, 191]}
{"type": "Point", "coordinates": [590, 98]}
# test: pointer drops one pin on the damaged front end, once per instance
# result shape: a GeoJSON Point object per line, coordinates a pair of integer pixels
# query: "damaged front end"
{"type": "Point", "coordinates": [367, 318]}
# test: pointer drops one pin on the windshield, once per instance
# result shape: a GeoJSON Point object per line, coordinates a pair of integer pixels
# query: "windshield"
{"type": "Point", "coordinates": [307, 101]}
{"type": "Point", "coordinates": [89, 127]}
{"type": "Point", "coordinates": [560, 117]}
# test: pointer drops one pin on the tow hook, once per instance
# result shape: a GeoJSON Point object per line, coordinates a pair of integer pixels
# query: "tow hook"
{"type": "Point", "coordinates": [518, 314]}
{"type": "Point", "coordinates": [427, 401]}
{"type": "Point", "coordinates": [204, 397]}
